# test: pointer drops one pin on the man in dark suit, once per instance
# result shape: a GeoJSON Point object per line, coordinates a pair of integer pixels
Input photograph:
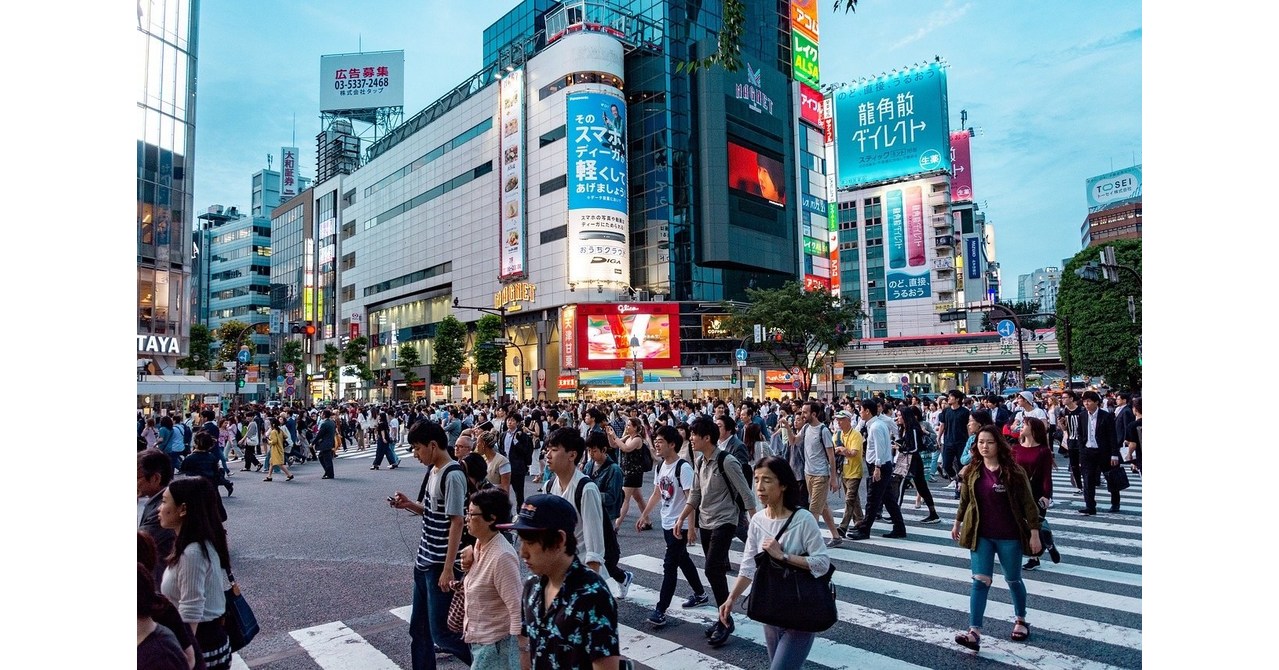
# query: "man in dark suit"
{"type": "Point", "coordinates": [1098, 449]}
{"type": "Point", "coordinates": [155, 470]}
{"type": "Point", "coordinates": [518, 445]}
{"type": "Point", "coordinates": [325, 443]}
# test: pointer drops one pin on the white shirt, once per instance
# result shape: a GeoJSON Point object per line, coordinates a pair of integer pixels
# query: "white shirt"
{"type": "Point", "coordinates": [674, 493]}
{"type": "Point", "coordinates": [1092, 430]}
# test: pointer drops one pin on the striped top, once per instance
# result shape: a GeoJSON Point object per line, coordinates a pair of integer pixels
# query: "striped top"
{"type": "Point", "coordinates": [493, 592]}
{"type": "Point", "coordinates": [435, 518]}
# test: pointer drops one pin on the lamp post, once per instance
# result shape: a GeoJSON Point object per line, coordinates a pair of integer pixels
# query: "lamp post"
{"type": "Point", "coordinates": [500, 312]}
{"type": "Point", "coordinates": [635, 343]}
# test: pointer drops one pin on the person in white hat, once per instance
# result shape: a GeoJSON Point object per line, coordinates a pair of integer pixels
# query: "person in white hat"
{"type": "Point", "coordinates": [1026, 407]}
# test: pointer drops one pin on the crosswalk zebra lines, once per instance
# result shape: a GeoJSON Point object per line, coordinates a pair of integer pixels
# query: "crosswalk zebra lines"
{"type": "Point", "coordinates": [369, 452]}
{"type": "Point", "coordinates": [900, 603]}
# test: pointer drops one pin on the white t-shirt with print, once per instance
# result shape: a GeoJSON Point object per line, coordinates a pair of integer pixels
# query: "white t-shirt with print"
{"type": "Point", "coordinates": [673, 495]}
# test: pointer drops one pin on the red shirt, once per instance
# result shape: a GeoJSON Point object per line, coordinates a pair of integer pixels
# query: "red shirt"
{"type": "Point", "coordinates": [994, 508]}
{"type": "Point", "coordinates": [1038, 464]}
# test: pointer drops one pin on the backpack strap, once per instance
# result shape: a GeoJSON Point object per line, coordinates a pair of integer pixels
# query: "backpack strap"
{"type": "Point", "coordinates": [719, 460]}
{"type": "Point", "coordinates": [681, 461]}
{"type": "Point", "coordinates": [444, 481]}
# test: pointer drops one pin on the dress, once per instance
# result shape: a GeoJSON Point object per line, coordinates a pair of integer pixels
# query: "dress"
{"type": "Point", "coordinates": [276, 439]}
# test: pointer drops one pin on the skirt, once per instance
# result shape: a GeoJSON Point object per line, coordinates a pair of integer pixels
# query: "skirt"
{"type": "Point", "coordinates": [214, 645]}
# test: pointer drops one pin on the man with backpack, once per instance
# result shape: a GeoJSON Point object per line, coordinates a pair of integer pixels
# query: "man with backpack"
{"type": "Point", "coordinates": [719, 495]}
{"type": "Point", "coordinates": [607, 475]}
{"type": "Point", "coordinates": [672, 483]}
{"type": "Point", "coordinates": [564, 450]}
{"type": "Point", "coordinates": [820, 475]}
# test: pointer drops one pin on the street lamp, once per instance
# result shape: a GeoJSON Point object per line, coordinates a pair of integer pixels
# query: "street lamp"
{"type": "Point", "coordinates": [500, 312]}
{"type": "Point", "coordinates": [635, 343]}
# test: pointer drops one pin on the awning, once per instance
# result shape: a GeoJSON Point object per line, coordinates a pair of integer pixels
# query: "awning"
{"type": "Point", "coordinates": [181, 384]}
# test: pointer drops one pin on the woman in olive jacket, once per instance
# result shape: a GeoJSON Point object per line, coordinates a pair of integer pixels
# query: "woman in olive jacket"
{"type": "Point", "coordinates": [997, 515]}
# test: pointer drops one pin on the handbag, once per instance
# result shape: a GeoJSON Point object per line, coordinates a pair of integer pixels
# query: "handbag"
{"type": "Point", "coordinates": [901, 466]}
{"type": "Point", "coordinates": [457, 607]}
{"type": "Point", "coordinates": [789, 597]}
{"type": "Point", "coordinates": [1116, 479]}
{"type": "Point", "coordinates": [240, 623]}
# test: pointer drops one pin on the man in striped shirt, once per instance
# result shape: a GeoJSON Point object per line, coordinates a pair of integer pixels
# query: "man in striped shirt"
{"type": "Point", "coordinates": [441, 503]}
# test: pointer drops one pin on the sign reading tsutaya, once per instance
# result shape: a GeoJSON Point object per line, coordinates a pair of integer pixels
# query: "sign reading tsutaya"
{"type": "Point", "coordinates": [361, 81]}
{"type": "Point", "coordinates": [751, 92]}
{"type": "Point", "coordinates": [511, 181]}
{"type": "Point", "coordinates": [288, 172]}
{"type": "Point", "coordinates": [157, 344]}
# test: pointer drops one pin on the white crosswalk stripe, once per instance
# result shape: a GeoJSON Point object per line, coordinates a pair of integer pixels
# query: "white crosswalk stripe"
{"type": "Point", "coordinates": [901, 602]}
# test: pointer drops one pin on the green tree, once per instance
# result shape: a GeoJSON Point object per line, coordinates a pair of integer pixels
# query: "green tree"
{"type": "Point", "coordinates": [199, 351]}
{"type": "Point", "coordinates": [990, 320]}
{"type": "Point", "coordinates": [1103, 338]}
{"type": "Point", "coordinates": [729, 48]}
{"type": "Point", "coordinates": [329, 360]}
{"type": "Point", "coordinates": [292, 353]}
{"type": "Point", "coordinates": [487, 329]}
{"type": "Point", "coordinates": [408, 359]}
{"type": "Point", "coordinates": [231, 334]}
{"type": "Point", "coordinates": [489, 388]}
{"type": "Point", "coordinates": [801, 326]}
{"type": "Point", "coordinates": [450, 345]}
{"type": "Point", "coordinates": [356, 358]}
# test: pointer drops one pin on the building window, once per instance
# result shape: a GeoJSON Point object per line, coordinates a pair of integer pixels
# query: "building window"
{"type": "Point", "coordinates": [557, 134]}
{"type": "Point", "coordinates": [556, 233]}
{"type": "Point", "coordinates": [553, 185]}
{"type": "Point", "coordinates": [348, 261]}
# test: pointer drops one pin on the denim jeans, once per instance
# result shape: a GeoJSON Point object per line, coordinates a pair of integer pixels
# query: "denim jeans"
{"type": "Point", "coordinates": [428, 624]}
{"type": "Point", "coordinates": [715, 545]}
{"type": "Point", "coordinates": [221, 454]}
{"type": "Point", "coordinates": [787, 648]}
{"type": "Point", "coordinates": [501, 655]}
{"type": "Point", "coordinates": [677, 558]}
{"type": "Point", "coordinates": [983, 563]}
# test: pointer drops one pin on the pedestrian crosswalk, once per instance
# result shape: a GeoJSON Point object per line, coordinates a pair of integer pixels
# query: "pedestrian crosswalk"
{"type": "Point", "coordinates": [353, 453]}
{"type": "Point", "coordinates": [901, 602]}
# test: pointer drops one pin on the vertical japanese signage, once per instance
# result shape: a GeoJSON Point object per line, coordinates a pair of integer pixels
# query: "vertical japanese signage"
{"type": "Point", "coordinates": [810, 105]}
{"type": "Point", "coordinates": [804, 51]}
{"type": "Point", "coordinates": [972, 256]}
{"type": "Point", "coordinates": [893, 127]}
{"type": "Point", "coordinates": [599, 250]}
{"type": "Point", "coordinates": [288, 172]}
{"type": "Point", "coordinates": [961, 183]}
{"type": "Point", "coordinates": [512, 228]}
{"type": "Point", "coordinates": [568, 337]}
{"type": "Point", "coordinates": [909, 275]}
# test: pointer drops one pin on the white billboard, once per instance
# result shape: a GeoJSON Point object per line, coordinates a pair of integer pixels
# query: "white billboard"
{"type": "Point", "coordinates": [361, 81]}
{"type": "Point", "coordinates": [511, 184]}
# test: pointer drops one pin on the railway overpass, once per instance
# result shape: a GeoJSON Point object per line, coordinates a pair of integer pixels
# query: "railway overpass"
{"type": "Point", "coordinates": [979, 357]}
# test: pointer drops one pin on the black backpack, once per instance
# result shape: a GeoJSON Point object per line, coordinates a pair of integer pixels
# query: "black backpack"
{"type": "Point", "coordinates": [746, 471]}
{"type": "Point", "coordinates": [186, 438]}
{"type": "Point", "coordinates": [609, 530]}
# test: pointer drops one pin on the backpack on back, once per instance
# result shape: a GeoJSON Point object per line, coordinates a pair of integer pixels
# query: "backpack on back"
{"type": "Point", "coordinates": [609, 530]}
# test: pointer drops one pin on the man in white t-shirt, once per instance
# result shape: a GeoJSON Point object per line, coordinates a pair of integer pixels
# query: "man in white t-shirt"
{"type": "Point", "coordinates": [1026, 407]}
{"type": "Point", "coordinates": [673, 480]}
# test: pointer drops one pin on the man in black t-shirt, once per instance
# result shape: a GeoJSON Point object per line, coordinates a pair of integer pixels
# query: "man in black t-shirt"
{"type": "Point", "coordinates": [954, 432]}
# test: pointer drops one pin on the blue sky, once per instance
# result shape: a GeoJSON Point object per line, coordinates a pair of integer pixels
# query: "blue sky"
{"type": "Point", "coordinates": [1054, 89]}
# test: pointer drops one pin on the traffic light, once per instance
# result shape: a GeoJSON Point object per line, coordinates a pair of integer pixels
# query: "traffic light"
{"type": "Point", "coordinates": [1091, 271]}
{"type": "Point", "coordinates": [734, 376]}
{"type": "Point", "coordinates": [308, 329]}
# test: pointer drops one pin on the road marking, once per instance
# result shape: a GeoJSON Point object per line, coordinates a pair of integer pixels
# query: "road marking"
{"type": "Point", "coordinates": [662, 654]}
{"type": "Point", "coordinates": [238, 663]}
{"type": "Point", "coordinates": [333, 646]}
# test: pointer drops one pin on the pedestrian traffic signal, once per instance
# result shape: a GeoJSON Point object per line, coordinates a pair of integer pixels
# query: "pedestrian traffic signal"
{"type": "Point", "coordinates": [734, 376]}
{"type": "Point", "coordinates": [239, 382]}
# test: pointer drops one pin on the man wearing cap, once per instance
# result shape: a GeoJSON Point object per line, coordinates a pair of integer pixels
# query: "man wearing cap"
{"type": "Point", "coordinates": [848, 443]}
{"type": "Point", "coordinates": [1026, 407]}
{"type": "Point", "coordinates": [570, 616]}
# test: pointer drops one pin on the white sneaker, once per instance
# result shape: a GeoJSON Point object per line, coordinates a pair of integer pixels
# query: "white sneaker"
{"type": "Point", "coordinates": [625, 585]}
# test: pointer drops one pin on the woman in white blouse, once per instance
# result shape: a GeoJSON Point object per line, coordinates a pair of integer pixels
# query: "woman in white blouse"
{"type": "Point", "coordinates": [801, 546]}
{"type": "Point", "coordinates": [196, 577]}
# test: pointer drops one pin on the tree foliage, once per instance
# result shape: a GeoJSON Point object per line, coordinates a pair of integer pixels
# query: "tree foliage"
{"type": "Point", "coordinates": [801, 326]}
{"type": "Point", "coordinates": [728, 52]}
{"type": "Point", "coordinates": [990, 320]}
{"type": "Point", "coordinates": [487, 329]}
{"type": "Point", "coordinates": [231, 334]}
{"type": "Point", "coordinates": [199, 351]}
{"type": "Point", "coordinates": [489, 388]}
{"type": "Point", "coordinates": [330, 363]}
{"type": "Point", "coordinates": [292, 353]}
{"type": "Point", "coordinates": [356, 358]}
{"type": "Point", "coordinates": [450, 347]}
{"type": "Point", "coordinates": [1103, 338]}
{"type": "Point", "coordinates": [408, 359]}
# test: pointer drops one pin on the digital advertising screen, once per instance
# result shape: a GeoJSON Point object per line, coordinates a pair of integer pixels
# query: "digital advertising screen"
{"type": "Point", "coordinates": [610, 335]}
{"type": "Point", "coordinates": [752, 172]}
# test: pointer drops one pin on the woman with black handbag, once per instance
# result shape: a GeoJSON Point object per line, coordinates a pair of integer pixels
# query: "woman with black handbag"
{"type": "Point", "coordinates": [912, 440]}
{"type": "Point", "coordinates": [196, 579]}
{"type": "Point", "coordinates": [783, 535]}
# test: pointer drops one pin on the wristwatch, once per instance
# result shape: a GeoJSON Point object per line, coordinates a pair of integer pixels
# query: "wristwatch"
{"type": "Point", "coordinates": [785, 558]}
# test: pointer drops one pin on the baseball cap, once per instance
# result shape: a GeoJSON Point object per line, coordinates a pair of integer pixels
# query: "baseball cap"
{"type": "Point", "coordinates": [544, 512]}
{"type": "Point", "coordinates": [843, 414]}
{"type": "Point", "coordinates": [1030, 397]}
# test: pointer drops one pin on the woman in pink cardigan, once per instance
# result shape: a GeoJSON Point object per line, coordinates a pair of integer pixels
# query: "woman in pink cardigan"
{"type": "Point", "coordinates": [492, 582]}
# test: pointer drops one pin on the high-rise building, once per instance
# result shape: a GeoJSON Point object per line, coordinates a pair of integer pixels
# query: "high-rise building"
{"type": "Point", "coordinates": [1040, 286]}
{"type": "Point", "coordinates": [237, 260]}
{"type": "Point", "coordinates": [1114, 208]}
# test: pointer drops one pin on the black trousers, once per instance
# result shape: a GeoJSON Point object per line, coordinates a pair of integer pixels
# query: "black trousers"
{"type": "Point", "coordinates": [518, 477]}
{"type": "Point", "coordinates": [916, 477]}
{"type": "Point", "coordinates": [881, 494]}
{"type": "Point", "coordinates": [326, 462]}
{"type": "Point", "coordinates": [715, 545]}
{"type": "Point", "coordinates": [251, 458]}
{"type": "Point", "coordinates": [1092, 461]}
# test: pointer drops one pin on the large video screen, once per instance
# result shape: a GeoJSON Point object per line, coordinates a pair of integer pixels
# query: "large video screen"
{"type": "Point", "coordinates": [612, 334]}
{"type": "Point", "coordinates": [754, 173]}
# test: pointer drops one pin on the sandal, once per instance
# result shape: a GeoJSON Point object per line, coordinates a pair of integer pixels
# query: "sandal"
{"type": "Point", "coordinates": [1019, 635]}
{"type": "Point", "coordinates": [971, 640]}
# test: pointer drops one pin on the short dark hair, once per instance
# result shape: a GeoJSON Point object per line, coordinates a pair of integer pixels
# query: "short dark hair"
{"type": "Point", "coordinates": [425, 432]}
{"type": "Point", "coordinates": [729, 424]}
{"type": "Point", "coordinates": [153, 461]}
{"type": "Point", "coordinates": [1127, 397]}
{"type": "Point", "coordinates": [207, 414]}
{"type": "Point", "coordinates": [551, 539]}
{"type": "Point", "coordinates": [1136, 404]}
{"type": "Point", "coordinates": [1092, 395]}
{"type": "Point", "coordinates": [596, 414]}
{"type": "Point", "coordinates": [476, 467]}
{"type": "Point", "coordinates": [568, 439]}
{"type": "Point", "coordinates": [703, 426]}
{"type": "Point", "coordinates": [870, 406]}
{"type": "Point", "coordinates": [597, 440]}
{"type": "Point", "coordinates": [202, 441]}
{"type": "Point", "coordinates": [670, 434]}
{"type": "Point", "coordinates": [781, 469]}
{"type": "Point", "coordinates": [494, 504]}
{"type": "Point", "coordinates": [957, 394]}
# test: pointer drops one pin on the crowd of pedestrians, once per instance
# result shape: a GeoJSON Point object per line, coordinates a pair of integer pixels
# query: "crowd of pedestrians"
{"type": "Point", "coordinates": [760, 472]}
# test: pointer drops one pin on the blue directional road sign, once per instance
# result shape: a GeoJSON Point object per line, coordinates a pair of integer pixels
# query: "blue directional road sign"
{"type": "Point", "coordinates": [242, 356]}
{"type": "Point", "coordinates": [1007, 328]}
{"type": "Point", "coordinates": [741, 357]}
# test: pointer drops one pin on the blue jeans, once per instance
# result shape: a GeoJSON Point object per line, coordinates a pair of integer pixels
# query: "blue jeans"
{"type": "Point", "coordinates": [983, 563]}
{"type": "Point", "coordinates": [501, 655]}
{"type": "Point", "coordinates": [428, 624]}
{"type": "Point", "coordinates": [786, 648]}
{"type": "Point", "coordinates": [221, 454]}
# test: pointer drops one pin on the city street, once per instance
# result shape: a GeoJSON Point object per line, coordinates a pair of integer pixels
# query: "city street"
{"type": "Point", "coordinates": [327, 567]}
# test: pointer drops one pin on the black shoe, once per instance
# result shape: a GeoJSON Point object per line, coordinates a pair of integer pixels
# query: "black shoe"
{"type": "Point", "coordinates": [327, 477]}
{"type": "Point", "coordinates": [1053, 553]}
{"type": "Point", "coordinates": [696, 600]}
{"type": "Point", "coordinates": [1031, 564]}
{"type": "Point", "coordinates": [857, 535]}
{"type": "Point", "coordinates": [374, 468]}
{"type": "Point", "coordinates": [896, 534]}
{"type": "Point", "coordinates": [395, 466]}
{"type": "Point", "coordinates": [720, 638]}
{"type": "Point", "coordinates": [1114, 510]}
{"type": "Point", "coordinates": [931, 518]}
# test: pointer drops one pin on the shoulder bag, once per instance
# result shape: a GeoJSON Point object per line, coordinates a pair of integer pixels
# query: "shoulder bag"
{"type": "Point", "coordinates": [1116, 479]}
{"type": "Point", "coordinates": [457, 607]}
{"type": "Point", "coordinates": [240, 623]}
{"type": "Point", "coordinates": [790, 597]}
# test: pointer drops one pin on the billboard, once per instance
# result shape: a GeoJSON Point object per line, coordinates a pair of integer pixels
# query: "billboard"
{"type": "Point", "coordinates": [892, 127]}
{"type": "Point", "coordinates": [752, 172]}
{"type": "Point", "coordinates": [810, 105]}
{"type": "Point", "coordinates": [568, 337]}
{"type": "Point", "coordinates": [598, 226]}
{"type": "Point", "coordinates": [804, 51]}
{"type": "Point", "coordinates": [288, 172]}
{"type": "Point", "coordinates": [909, 276]}
{"type": "Point", "coordinates": [961, 183]}
{"type": "Point", "coordinates": [605, 332]}
{"type": "Point", "coordinates": [361, 81]}
{"type": "Point", "coordinates": [512, 229]}
{"type": "Point", "coordinates": [1114, 188]}
{"type": "Point", "coordinates": [972, 256]}
{"type": "Point", "coordinates": [803, 18]}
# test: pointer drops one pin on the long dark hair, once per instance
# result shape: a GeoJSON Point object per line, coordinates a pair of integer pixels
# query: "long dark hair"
{"type": "Point", "coordinates": [1003, 453]}
{"type": "Point", "coordinates": [785, 477]}
{"type": "Point", "coordinates": [202, 522]}
{"type": "Point", "coordinates": [1038, 430]}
